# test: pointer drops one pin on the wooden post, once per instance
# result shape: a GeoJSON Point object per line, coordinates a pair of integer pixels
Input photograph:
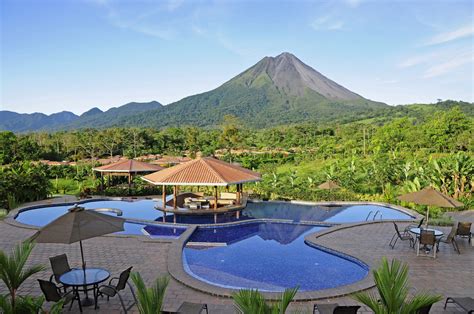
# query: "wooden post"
{"type": "Point", "coordinates": [238, 194]}
{"type": "Point", "coordinates": [129, 180]}
{"type": "Point", "coordinates": [215, 218]}
{"type": "Point", "coordinates": [215, 197]}
{"type": "Point", "coordinates": [164, 196]}
{"type": "Point", "coordinates": [175, 195]}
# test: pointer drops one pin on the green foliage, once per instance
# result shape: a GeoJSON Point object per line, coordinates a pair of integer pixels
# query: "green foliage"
{"type": "Point", "coordinates": [23, 182]}
{"type": "Point", "coordinates": [391, 281]}
{"type": "Point", "coordinates": [150, 300]}
{"type": "Point", "coordinates": [253, 302]}
{"type": "Point", "coordinates": [13, 272]}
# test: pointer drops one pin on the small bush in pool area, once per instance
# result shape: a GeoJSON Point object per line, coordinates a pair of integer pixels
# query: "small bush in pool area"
{"type": "Point", "coordinates": [252, 301]}
{"type": "Point", "coordinates": [391, 280]}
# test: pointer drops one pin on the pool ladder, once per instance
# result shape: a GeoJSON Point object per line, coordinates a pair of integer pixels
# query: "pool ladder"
{"type": "Point", "coordinates": [375, 215]}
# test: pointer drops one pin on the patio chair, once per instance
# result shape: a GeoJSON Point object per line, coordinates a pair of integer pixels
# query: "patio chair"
{"type": "Point", "coordinates": [59, 265]}
{"type": "Point", "coordinates": [467, 304]}
{"type": "Point", "coordinates": [192, 308]}
{"type": "Point", "coordinates": [52, 293]}
{"type": "Point", "coordinates": [464, 230]}
{"type": "Point", "coordinates": [418, 225]}
{"type": "Point", "coordinates": [451, 239]}
{"type": "Point", "coordinates": [427, 237]}
{"type": "Point", "coordinates": [335, 309]}
{"type": "Point", "coordinates": [404, 237]}
{"type": "Point", "coordinates": [112, 290]}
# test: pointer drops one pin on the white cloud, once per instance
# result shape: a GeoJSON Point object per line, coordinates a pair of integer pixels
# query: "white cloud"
{"type": "Point", "coordinates": [464, 31]}
{"type": "Point", "coordinates": [327, 22]}
{"type": "Point", "coordinates": [449, 65]}
{"type": "Point", "coordinates": [353, 3]}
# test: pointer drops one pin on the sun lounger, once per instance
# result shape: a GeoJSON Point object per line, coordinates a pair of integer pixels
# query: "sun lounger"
{"type": "Point", "coordinates": [335, 308]}
{"type": "Point", "coordinates": [192, 308]}
{"type": "Point", "coordinates": [467, 304]}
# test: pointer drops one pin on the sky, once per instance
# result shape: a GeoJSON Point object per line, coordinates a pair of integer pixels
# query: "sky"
{"type": "Point", "coordinates": [78, 54]}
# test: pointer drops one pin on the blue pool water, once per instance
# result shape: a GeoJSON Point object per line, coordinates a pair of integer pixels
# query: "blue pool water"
{"type": "Point", "coordinates": [268, 257]}
{"type": "Point", "coordinates": [153, 231]}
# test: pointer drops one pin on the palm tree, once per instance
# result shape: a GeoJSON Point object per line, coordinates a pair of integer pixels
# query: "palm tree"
{"type": "Point", "coordinates": [392, 286]}
{"type": "Point", "coordinates": [12, 271]}
{"type": "Point", "coordinates": [150, 300]}
{"type": "Point", "coordinates": [253, 302]}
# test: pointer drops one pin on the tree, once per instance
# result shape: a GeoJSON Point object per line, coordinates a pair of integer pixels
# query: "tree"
{"type": "Point", "coordinates": [392, 286]}
{"type": "Point", "coordinates": [230, 136]}
{"type": "Point", "coordinates": [445, 128]}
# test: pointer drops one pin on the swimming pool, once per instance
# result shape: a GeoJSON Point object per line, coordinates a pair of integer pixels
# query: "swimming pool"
{"type": "Point", "coordinates": [145, 210]}
{"type": "Point", "coordinates": [267, 256]}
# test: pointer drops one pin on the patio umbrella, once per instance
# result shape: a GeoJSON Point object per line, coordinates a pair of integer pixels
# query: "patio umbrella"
{"type": "Point", "coordinates": [430, 197]}
{"type": "Point", "coordinates": [78, 225]}
{"type": "Point", "coordinates": [329, 185]}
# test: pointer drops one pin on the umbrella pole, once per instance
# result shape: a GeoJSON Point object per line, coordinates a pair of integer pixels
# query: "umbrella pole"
{"type": "Point", "coordinates": [82, 256]}
{"type": "Point", "coordinates": [427, 215]}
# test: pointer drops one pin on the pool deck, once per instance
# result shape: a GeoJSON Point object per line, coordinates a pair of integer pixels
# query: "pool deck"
{"type": "Point", "coordinates": [449, 274]}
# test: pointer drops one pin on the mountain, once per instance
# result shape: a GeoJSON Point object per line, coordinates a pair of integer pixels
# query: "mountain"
{"type": "Point", "coordinates": [21, 122]}
{"type": "Point", "coordinates": [94, 118]}
{"type": "Point", "coordinates": [276, 90]}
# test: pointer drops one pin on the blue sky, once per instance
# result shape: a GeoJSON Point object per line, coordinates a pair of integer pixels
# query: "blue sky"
{"type": "Point", "coordinates": [74, 55]}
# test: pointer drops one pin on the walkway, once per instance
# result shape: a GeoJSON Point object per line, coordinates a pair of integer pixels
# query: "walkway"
{"type": "Point", "coordinates": [450, 274]}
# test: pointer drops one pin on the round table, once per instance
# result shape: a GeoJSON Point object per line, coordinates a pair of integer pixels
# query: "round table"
{"type": "Point", "coordinates": [77, 278]}
{"type": "Point", "coordinates": [417, 231]}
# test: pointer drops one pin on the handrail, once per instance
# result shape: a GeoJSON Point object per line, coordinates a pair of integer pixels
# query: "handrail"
{"type": "Point", "coordinates": [375, 215]}
{"type": "Point", "coordinates": [367, 218]}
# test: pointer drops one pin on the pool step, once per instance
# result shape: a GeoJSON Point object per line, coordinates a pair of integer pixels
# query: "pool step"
{"type": "Point", "coordinates": [206, 244]}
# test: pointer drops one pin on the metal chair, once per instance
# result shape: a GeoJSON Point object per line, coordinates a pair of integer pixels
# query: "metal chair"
{"type": "Point", "coordinates": [427, 237]}
{"type": "Point", "coordinates": [59, 266]}
{"type": "Point", "coordinates": [52, 293]}
{"type": "Point", "coordinates": [464, 230]}
{"type": "Point", "coordinates": [451, 239]}
{"type": "Point", "coordinates": [111, 290]}
{"type": "Point", "coordinates": [407, 228]}
{"type": "Point", "coordinates": [404, 237]}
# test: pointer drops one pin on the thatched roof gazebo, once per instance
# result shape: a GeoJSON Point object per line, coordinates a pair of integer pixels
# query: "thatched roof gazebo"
{"type": "Point", "coordinates": [127, 167]}
{"type": "Point", "coordinates": [205, 171]}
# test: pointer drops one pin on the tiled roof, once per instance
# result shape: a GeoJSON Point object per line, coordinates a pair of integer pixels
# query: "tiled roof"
{"type": "Point", "coordinates": [129, 165]}
{"type": "Point", "coordinates": [203, 171]}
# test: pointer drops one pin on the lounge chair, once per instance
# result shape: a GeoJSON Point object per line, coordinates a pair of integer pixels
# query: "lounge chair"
{"type": "Point", "coordinates": [52, 293]}
{"type": "Point", "coordinates": [404, 237]}
{"type": "Point", "coordinates": [335, 309]}
{"type": "Point", "coordinates": [427, 237]}
{"type": "Point", "coordinates": [192, 308]}
{"type": "Point", "coordinates": [424, 310]}
{"type": "Point", "coordinates": [467, 304]}
{"type": "Point", "coordinates": [59, 265]}
{"type": "Point", "coordinates": [464, 230]}
{"type": "Point", "coordinates": [111, 290]}
{"type": "Point", "coordinates": [451, 239]}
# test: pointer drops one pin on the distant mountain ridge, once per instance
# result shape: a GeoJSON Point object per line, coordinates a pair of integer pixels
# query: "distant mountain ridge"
{"type": "Point", "coordinates": [93, 118]}
{"type": "Point", "coordinates": [275, 91]}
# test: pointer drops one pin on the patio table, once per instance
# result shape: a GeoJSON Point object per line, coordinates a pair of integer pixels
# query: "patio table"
{"type": "Point", "coordinates": [77, 278]}
{"type": "Point", "coordinates": [417, 231]}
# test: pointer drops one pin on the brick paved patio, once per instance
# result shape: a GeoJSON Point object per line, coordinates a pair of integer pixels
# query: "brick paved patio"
{"type": "Point", "coordinates": [450, 274]}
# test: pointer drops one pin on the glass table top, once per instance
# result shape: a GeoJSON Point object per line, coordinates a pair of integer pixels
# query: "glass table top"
{"type": "Point", "coordinates": [79, 277]}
